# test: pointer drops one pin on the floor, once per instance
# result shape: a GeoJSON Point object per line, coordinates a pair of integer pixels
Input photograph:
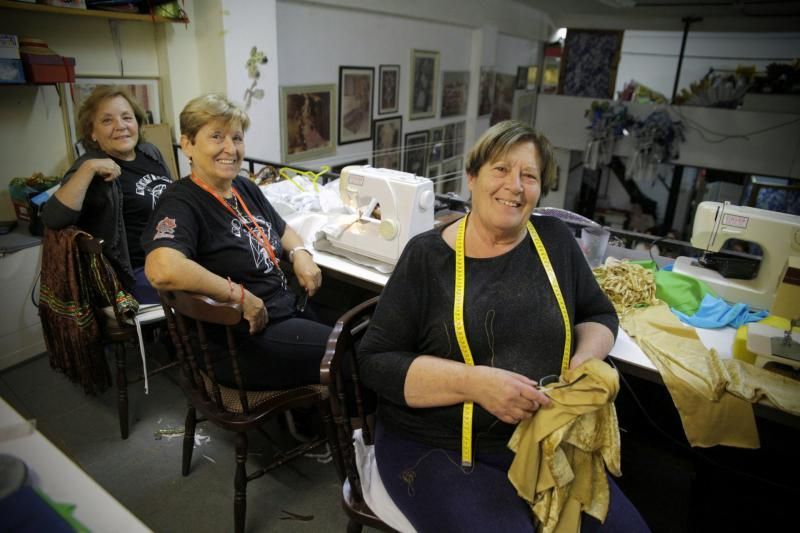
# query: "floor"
{"type": "Point", "coordinates": [677, 489]}
{"type": "Point", "coordinates": [143, 472]}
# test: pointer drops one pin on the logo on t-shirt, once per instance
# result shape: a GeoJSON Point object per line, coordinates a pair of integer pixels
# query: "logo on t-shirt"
{"type": "Point", "coordinates": [165, 229]}
{"type": "Point", "coordinates": [152, 185]}
{"type": "Point", "coordinates": [260, 256]}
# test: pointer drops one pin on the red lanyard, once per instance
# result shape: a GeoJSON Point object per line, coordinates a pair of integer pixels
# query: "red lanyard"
{"type": "Point", "coordinates": [261, 237]}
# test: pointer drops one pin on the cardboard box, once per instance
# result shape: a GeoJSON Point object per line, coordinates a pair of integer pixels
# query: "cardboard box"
{"type": "Point", "coordinates": [48, 68]}
{"type": "Point", "coordinates": [11, 71]}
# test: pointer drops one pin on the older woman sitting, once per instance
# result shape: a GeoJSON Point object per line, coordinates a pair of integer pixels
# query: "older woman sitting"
{"type": "Point", "coordinates": [214, 233]}
{"type": "Point", "coordinates": [112, 189]}
{"type": "Point", "coordinates": [478, 291]}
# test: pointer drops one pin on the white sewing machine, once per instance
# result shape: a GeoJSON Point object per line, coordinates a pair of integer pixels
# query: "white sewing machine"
{"type": "Point", "coordinates": [778, 235]}
{"type": "Point", "coordinates": [406, 209]}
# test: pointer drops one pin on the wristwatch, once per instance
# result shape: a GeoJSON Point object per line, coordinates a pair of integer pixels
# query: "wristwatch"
{"type": "Point", "coordinates": [297, 249]}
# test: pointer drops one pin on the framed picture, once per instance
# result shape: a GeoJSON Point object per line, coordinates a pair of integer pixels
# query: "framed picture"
{"type": "Point", "coordinates": [459, 132]}
{"type": "Point", "coordinates": [308, 122]}
{"type": "Point", "coordinates": [355, 104]}
{"type": "Point", "coordinates": [591, 58]}
{"type": "Point", "coordinates": [422, 91]}
{"type": "Point", "coordinates": [434, 171]}
{"type": "Point", "coordinates": [415, 152]}
{"type": "Point", "coordinates": [386, 138]}
{"type": "Point", "coordinates": [337, 169]}
{"type": "Point", "coordinates": [455, 90]}
{"type": "Point", "coordinates": [388, 89]}
{"type": "Point", "coordinates": [449, 141]}
{"type": "Point", "coordinates": [524, 107]}
{"type": "Point", "coordinates": [450, 176]}
{"type": "Point", "coordinates": [503, 97]}
{"type": "Point", "coordinates": [144, 90]}
{"type": "Point", "coordinates": [522, 78]}
{"type": "Point", "coordinates": [437, 145]}
{"type": "Point", "coordinates": [486, 96]}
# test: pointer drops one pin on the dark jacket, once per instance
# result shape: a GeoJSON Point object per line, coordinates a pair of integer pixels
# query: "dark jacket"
{"type": "Point", "coordinates": [101, 215]}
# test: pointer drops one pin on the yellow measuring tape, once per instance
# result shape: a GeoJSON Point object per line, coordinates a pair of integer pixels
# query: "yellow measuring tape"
{"type": "Point", "coordinates": [461, 334]}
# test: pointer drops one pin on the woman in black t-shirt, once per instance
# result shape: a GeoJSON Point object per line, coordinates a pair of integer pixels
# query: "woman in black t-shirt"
{"type": "Point", "coordinates": [214, 233]}
{"type": "Point", "coordinates": [112, 189]}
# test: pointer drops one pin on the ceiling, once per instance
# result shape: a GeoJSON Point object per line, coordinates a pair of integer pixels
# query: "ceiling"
{"type": "Point", "coordinates": [716, 15]}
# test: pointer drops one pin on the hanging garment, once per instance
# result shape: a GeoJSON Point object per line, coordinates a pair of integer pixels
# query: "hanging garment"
{"type": "Point", "coordinates": [561, 451]}
{"type": "Point", "coordinates": [695, 377]}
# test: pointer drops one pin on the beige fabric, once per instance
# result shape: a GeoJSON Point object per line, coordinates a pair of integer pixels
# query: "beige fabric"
{"type": "Point", "coordinates": [560, 452]}
{"type": "Point", "coordinates": [695, 377]}
{"type": "Point", "coordinates": [754, 384]}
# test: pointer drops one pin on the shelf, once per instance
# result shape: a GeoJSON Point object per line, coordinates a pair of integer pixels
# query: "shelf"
{"type": "Point", "coordinates": [41, 8]}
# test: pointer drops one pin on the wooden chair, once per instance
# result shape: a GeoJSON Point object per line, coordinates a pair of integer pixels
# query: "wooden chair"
{"type": "Point", "coordinates": [342, 345]}
{"type": "Point", "coordinates": [119, 329]}
{"type": "Point", "coordinates": [230, 407]}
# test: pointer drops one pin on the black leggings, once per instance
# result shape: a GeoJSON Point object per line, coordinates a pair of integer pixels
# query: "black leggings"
{"type": "Point", "coordinates": [436, 494]}
{"type": "Point", "coordinates": [285, 354]}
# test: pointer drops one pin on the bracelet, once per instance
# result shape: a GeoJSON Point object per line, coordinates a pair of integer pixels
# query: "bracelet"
{"type": "Point", "coordinates": [297, 249]}
{"type": "Point", "coordinates": [242, 301]}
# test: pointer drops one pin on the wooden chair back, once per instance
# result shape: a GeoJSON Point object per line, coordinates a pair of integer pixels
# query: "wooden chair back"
{"type": "Point", "coordinates": [339, 371]}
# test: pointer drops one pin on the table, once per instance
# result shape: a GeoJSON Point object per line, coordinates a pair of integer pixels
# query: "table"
{"type": "Point", "coordinates": [61, 479]}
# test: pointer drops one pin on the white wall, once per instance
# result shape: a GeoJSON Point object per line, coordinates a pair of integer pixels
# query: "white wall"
{"type": "Point", "coordinates": [651, 57]}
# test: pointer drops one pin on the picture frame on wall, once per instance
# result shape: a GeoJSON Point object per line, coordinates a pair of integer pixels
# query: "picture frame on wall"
{"type": "Point", "coordinates": [590, 62]}
{"type": "Point", "coordinates": [415, 153]}
{"type": "Point", "coordinates": [143, 90]}
{"type": "Point", "coordinates": [486, 94]}
{"type": "Point", "coordinates": [386, 138]}
{"type": "Point", "coordinates": [308, 122]}
{"type": "Point", "coordinates": [423, 84]}
{"type": "Point", "coordinates": [436, 144]}
{"type": "Point", "coordinates": [524, 107]}
{"type": "Point", "coordinates": [449, 141]}
{"type": "Point", "coordinates": [455, 91]}
{"type": "Point", "coordinates": [503, 97]}
{"type": "Point", "coordinates": [388, 89]}
{"type": "Point", "coordinates": [450, 176]}
{"type": "Point", "coordinates": [355, 103]}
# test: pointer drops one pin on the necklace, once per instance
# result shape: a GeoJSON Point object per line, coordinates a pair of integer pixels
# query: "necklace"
{"type": "Point", "coordinates": [255, 231]}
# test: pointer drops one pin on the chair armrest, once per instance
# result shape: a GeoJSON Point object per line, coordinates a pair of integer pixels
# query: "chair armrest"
{"type": "Point", "coordinates": [340, 338]}
{"type": "Point", "coordinates": [200, 307]}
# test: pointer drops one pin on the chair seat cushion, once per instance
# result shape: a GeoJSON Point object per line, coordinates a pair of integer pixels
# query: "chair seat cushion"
{"type": "Point", "coordinates": [230, 396]}
{"type": "Point", "coordinates": [372, 488]}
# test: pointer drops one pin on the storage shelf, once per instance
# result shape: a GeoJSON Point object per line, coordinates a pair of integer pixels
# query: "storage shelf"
{"type": "Point", "coordinates": [41, 8]}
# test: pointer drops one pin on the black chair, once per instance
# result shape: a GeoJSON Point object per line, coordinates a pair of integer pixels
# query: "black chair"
{"type": "Point", "coordinates": [119, 329]}
{"type": "Point", "coordinates": [233, 408]}
{"type": "Point", "coordinates": [340, 359]}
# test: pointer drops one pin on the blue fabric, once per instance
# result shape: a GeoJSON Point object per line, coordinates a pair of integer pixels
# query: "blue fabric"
{"type": "Point", "coordinates": [716, 313]}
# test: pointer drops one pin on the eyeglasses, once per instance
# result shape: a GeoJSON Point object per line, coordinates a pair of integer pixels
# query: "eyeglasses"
{"type": "Point", "coordinates": [301, 302]}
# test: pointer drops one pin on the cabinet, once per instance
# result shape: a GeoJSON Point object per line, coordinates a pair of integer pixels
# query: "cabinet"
{"type": "Point", "coordinates": [20, 329]}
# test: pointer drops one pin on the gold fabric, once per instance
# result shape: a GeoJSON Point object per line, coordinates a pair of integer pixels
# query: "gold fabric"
{"type": "Point", "coordinates": [560, 452]}
{"type": "Point", "coordinates": [696, 379]}
{"type": "Point", "coordinates": [755, 384]}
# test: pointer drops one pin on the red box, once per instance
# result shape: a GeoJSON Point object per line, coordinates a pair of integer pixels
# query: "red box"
{"type": "Point", "coordinates": [48, 68]}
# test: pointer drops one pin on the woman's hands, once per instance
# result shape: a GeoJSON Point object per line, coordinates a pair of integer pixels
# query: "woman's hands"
{"type": "Point", "coordinates": [509, 396]}
{"type": "Point", "coordinates": [105, 168]}
{"type": "Point", "coordinates": [254, 311]}
{"type": "Point", "coordinates": [308, 273]}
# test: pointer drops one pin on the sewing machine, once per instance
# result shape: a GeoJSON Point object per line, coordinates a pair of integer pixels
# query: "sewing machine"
{"type": "Point", "coordinates": [778, 235]}
{"type": "Point", "coordinates": [405, 202]}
